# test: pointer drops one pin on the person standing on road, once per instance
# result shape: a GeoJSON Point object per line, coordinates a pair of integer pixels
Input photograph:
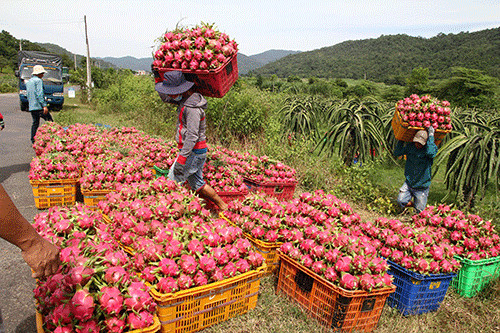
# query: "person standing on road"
{"type": "Point", "coordinates": [419, 158]}
{"type": "Point", "coordinates": [190, 134]}
{"type": "Point", "coordinates": [36, 99]}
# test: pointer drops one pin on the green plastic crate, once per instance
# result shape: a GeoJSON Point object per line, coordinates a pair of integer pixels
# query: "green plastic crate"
{"type": "Point", "coordinates": [475, 275]}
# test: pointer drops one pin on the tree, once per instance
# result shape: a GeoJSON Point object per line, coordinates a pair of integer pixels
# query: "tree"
{"type": "Point", "coordinates": [418, 81]}
{"type": "Point", "coordinates": [469, 88]}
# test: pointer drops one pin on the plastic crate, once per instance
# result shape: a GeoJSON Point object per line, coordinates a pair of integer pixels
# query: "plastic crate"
{"type": "Point", "coordinates": [197, 308]}
{"type": "Point", "coordinates": [226, 197]}
{"type": "Point", "coordinates": [268, 250]}
{"type": "Point", "coordinates": [211, 83]}
{"type": "Point", "coordinates": [404, 132]}
{"type": "Point", "coordinates": [159, 172]}
{"type": "Point", "coordinates": [281, 191]}
{"type": "Point", "coordinates": [151, 329]}
{"type": "Point", "coordinates": [49, 193]}
{"type": "Point", "coordinates": [92, 198]}
{"type": "Point", "coordinates": [475, 275]}
{"type": "Point", "coordinates": [332, 306]}
{"type": "Point", "coordinates": [416, 293]}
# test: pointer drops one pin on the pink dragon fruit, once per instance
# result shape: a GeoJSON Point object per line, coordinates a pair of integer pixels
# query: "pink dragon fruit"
{"type": "Point", "coordinates": [188, 264]}
{"type": "Point", "coordinates": [367, 282]}
{"type": "Point", "coordinates": [111, 300]}
{"type": "Point", "coordinates": [114, 325]}
{"type": "Point", "coordinates": [348, 281]}
{"type": "Point", "coordinates": [83, 304]}
{"type": "Point", "coordinates": [167, 285]}
{"type": "Point", "coordinates": [207, 263]}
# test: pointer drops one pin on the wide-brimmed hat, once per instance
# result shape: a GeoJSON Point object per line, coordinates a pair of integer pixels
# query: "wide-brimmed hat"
{"type": "Point", "coordinates": [174, 83]}
{"type": "Point", "coordinates": [421, 137]}
{"type": "Point", "coordinates": [38, 69]}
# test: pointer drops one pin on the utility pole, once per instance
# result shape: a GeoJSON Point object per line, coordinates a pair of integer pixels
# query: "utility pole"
{"type": "Point", "coordinates": [74, 57]}
{"type": "Point", "coordinates": [20, 45]}
{"type": "Point", "coordinates": [89, 80]}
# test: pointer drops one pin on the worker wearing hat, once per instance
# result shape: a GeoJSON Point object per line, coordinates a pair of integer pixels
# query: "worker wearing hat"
{"type": "Point", "coordinates": [36, 99]}
{"type": "Point", "coordinates": [189, 134]}
{"type": "Point", "coordinates": [419, 158]}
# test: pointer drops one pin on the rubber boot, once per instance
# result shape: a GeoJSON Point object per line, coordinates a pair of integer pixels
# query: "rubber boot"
{"type": "Point", "coordinates": [207, 192]}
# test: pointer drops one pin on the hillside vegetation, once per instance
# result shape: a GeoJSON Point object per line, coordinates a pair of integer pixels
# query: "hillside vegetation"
{"type": "Point", "coordinates": [390, 58]}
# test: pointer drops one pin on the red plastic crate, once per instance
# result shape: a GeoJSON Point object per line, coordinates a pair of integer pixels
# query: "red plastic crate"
{"type": "Point", "coordinates": [227, 197]}
{"type": "Point", "coordinates": [210, 83]}
{"type": "Point", "coordinates": [281, 191]}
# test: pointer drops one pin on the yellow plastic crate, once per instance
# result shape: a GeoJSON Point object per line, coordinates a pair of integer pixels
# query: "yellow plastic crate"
{"type": "Point", "coordinates": [151, 329]}
{"type": "Point", "coordinates": [268, 250]}
{"type": "Point", "coordinates": [404, 132]}
{"type": "Point", "coordinates": [92, 198]}
{"type": "Point", "coordinates": [58, 192]}
{"type": "Point", "coordinates": [197, 308]}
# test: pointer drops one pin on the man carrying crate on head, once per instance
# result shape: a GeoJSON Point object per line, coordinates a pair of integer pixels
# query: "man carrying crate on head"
{"type": "Point", "coordinates": [419, 158]}
{"type": "Point", "coordinates": [190, 134]}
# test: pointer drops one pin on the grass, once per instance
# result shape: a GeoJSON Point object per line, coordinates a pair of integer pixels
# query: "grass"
{"type": "Point", "coordinates": [275, 313]}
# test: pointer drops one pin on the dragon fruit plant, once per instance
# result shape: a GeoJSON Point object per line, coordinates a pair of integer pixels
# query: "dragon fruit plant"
{"type": "Point", "coordinates": [93, 290]}
{"type": "Point", "coordinates": [425, 111]}
{"type": "Point", "coordinates": [423, 250]}
{"type": "Point", "coordinates": [200, 48]}
{"type": "Point", "coordinates": [53, 166]}
{"type": "Point", "coordinates": [470, 236]}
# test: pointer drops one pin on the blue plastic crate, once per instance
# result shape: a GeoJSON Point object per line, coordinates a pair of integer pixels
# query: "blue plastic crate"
{"type": "Point", "coordinates": [416, 293]}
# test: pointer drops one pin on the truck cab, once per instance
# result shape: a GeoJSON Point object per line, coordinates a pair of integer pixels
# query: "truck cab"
{"type": "Point", "coordinates": [53, 84]}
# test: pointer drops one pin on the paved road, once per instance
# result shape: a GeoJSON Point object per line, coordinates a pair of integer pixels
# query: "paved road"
{"type": "Point", "coordinates": [16, 284]}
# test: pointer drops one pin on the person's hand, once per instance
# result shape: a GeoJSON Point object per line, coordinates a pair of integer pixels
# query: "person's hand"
{"type": "Point", "coordinates": [430, 130]}
{"type": "Point", "coordinates": [43, 258]}
{"type": "Point", "coordinates": [45, 110]}
{"type": "Point", "coordinates": [178, 169]}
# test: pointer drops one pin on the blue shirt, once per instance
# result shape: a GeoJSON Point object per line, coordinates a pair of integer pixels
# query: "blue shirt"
{"type": "Point", "coordinates": [34, 92]}
{"type": "Point", "coordinates": [418, 162]}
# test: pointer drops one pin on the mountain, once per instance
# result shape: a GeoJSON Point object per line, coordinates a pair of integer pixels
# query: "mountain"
{"type": "Point", "coordinates": [245, 63]}
{"type": "Point", "coordinates": [392, 57]}
{"type": "Point", "coordinates": [52, 48]}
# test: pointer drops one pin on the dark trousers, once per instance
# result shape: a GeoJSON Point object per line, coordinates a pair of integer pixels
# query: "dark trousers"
{"type": "Point", "coordinates": [36, 115]}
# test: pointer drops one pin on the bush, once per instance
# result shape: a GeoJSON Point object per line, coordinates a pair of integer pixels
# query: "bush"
{"type": "Point", "coordinates": [240, 113]}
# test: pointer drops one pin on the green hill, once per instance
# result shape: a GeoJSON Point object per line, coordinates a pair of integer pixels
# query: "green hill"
{"type": "Point", "coordinates": [391, 58]}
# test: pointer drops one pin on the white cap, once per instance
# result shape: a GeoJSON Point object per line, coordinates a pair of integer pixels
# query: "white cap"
{"type": "Point", "coordinates": [38, 69]}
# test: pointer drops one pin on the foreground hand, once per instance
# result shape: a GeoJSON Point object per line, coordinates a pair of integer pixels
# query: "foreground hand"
{"type": "Point", "coordinates": [178, 169]}
{"type": "Point", "coordinates": [43, 258]}
{"type": "Point", "coordinates": [45, 110]}
{"type": "Point", "coordinates": [430, 130]}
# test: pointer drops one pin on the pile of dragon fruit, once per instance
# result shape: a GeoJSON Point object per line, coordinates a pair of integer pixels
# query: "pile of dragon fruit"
{"type": "Point", "coordinates": [105, 159]}
{"type": "Point", "coordinates": [260, 169]}
{"type": "Point", "coordinates": [469, 235]}
{"type": "Point", "coordinates": [174, 242]}
{"type": "Point", "coordinates": [95, 289]}
{"type": "Point", "coordinates": [318, 231]}
{"type": "Point", "coordinates": [199, 48]}
{"type": "Point", "coordinates": [425, 111]}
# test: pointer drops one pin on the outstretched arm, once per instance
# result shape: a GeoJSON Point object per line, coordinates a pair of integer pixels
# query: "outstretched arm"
{"type": "Point", "coordinates": [41, 255]}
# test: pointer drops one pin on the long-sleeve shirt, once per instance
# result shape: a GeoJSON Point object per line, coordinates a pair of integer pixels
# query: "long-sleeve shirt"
{"type": "Point", "coordinates": [418, 168]}
{"type": "Point", "coordinates": [34, 92]}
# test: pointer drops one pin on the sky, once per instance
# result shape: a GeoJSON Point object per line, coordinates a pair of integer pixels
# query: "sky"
{"type": "Point", "coordinates": [119, 28]}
